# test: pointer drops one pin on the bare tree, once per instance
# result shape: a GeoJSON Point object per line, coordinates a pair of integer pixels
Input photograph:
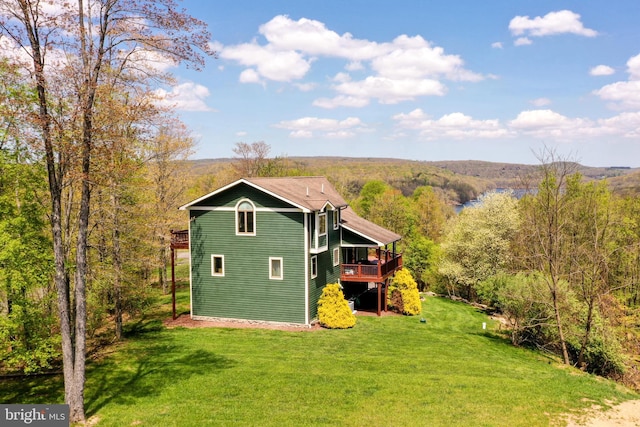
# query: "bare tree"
{"type": "Point", "coordinates": [544, 244]}
{"type": "Point", "coordinates": [251, 158]}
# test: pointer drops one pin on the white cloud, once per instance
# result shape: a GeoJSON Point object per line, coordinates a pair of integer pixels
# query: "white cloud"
{"type": "Point", "coordinates": [560, 22]}
{"type": "Point", "coordinates": [150, 60]}
{"type": "Point", "coordinates": [301, 134]}
{"type": "Point", "coordinates": [522, 41]}
{"type": "Point", "coordinates": [249, 76]}
{"type": "Point", "coordinates": [547, 124]}
{"type": "Point", "coordinates": [453, 126]}
{"type": "Point", "coordinates": [187, 96]}
{"type": "Point", "coordinates": [305, 87]}
{"type": "Point", "coordinates": [633, 67]}
{"type": "Point", "coordinates": [415, 58]}
{"type": "Point", "coordinates": [540, 124]}
{"type": "Point", "coordinates": [601, 70]}
{"type": "Point", "coordinates": [341, 101]}
{"type": "Point", "coordinates": [626, 125]}
{"type": "Point", "coordinates": [354, 66]}
{"type": "Point", "coordinates": [496, 45]}
{"type": "Point", "coordinates": [399, 66]}
{"type": "Point", "coordinates": [14, 53]}
{"type": "Point", "coordinates": [277, 65]}
{"type": "Point", "coordinates": [241, 133]}
{"type": "Point", "coordinates": [306, 127]}
{"type": "Point", "coordinates": [390, 91]}
{"type": "Point", "coordinates": [540, 102]}
{"type": "Point", "coordinates": [624, 94]}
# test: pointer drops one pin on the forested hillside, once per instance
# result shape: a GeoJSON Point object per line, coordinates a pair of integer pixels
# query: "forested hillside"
{"type": "Point", "coordinates": [459, 181]}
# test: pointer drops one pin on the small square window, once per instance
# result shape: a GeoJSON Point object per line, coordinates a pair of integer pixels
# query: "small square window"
{"type": "Point", "coordinates": [336, 257]}
{"type": "Point", "coordinates": [314, 267]}
{"type": "Point", "coordinates": [275, 268]}
{"type": "Point", "coordinates": [217, 265]}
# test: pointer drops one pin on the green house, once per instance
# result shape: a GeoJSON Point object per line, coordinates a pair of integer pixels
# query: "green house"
{"type": "Point", "coordinates": [262, 249]}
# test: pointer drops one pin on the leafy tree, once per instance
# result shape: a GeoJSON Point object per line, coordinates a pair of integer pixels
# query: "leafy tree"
{"type": "Point", "coordinates": [28, 341]}
{"type": "Point", "coordinates": [524, 302]}
{"type": "Point", "coordinates": [477, 244]}
{"type": "Point", "coordinates": [27, 309]}
{"type": "Point", "coordinates": [592, 238]}
{"type": "Point", "coordinates": [391, 210]}
{"type": "Point", "coordinates": [106, 42]}
{"type": "Point", "coordinates": [431, 212]}
{"type": "Point", "coordinates": [369, 194]}
{"type": "Point", "coordinates": [542, 243]}
{"type": "Point", "coordinates": [164, 154]}
{"type": "Point", "coordinates": [420, 257]}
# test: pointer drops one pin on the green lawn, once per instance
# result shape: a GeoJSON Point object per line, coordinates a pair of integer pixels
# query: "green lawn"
{"type": "Point", "coordinates": [392, 371]}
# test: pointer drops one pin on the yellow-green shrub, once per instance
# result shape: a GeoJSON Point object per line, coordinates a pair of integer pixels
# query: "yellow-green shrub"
{"type": "Point", "coordinates": [333, 309]}
{"type": "Point", "coordinates": [404, 293]}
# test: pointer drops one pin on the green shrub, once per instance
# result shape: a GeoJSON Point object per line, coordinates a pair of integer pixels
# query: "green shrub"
{"type": "Point", "coordinates": [333, 309]}
{"type": "Point", "coordinates": [405, 297]}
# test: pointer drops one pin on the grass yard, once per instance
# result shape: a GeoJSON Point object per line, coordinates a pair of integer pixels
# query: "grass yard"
{"type": "Point", "coordinates": [392, 371]}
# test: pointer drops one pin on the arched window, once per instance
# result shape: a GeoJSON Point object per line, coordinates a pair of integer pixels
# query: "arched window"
{"type": "Point", "coordinates": [246, 218]}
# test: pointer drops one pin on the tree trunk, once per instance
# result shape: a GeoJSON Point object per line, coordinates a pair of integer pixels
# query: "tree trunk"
{"type": "Point", "coordinates": [117, 263]}
{"type": "Point", "coordinates": [563, 343]}
{"type": "Point", "coordinates": [587, 334]}
{"type": "Point", "coordinates": [162, 268]}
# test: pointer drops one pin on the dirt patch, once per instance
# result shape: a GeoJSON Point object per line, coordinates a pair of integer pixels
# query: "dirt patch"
{"type": "Point", "coordinates": [185, 321]}
{"type": "Point", "coordinates": [626, 414]}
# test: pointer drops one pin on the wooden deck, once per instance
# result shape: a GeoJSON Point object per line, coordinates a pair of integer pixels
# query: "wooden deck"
{"type": "Point", "coordinates": [180, 239]}
{"type": "Point", "coordinates": [377, 270]}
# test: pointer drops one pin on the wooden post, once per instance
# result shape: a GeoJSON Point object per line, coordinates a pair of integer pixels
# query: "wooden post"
{"type": "Point", "coordinates": [173, 282]}
{"type": "Point", "coordinates": [386, 291]}
{"type": "Point", "coordinates": [379, 298]}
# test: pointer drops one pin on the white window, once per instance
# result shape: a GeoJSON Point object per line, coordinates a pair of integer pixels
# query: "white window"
{"type": "Point", "coordinates": [245, 218]}
{"type": "Point", "coordinates": [322, 224]}
{"type": "Point", "coordinates": [336, 256]}
{"type": "Point", "coordinates": [336, 219]}
{"type": "Point", "coordinates": [276, 268]}
{"type": "Point", "coordinates": [314, 267]}
{"type": "Point", "coordinates": [217, 265]}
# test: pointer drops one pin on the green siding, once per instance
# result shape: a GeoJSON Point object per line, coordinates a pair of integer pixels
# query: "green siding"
{"type": "Point", "coordinates": [327, 273]}
{"type": "Point", "coordinates": [231, 196]}
{"type": "Point", "coordinates": [246, 292]}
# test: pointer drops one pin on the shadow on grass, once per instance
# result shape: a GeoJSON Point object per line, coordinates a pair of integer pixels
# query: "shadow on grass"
{"type": "Point", "coordinates": [145, 367]}
{"type": "Point", "coordinates": [34, 389]}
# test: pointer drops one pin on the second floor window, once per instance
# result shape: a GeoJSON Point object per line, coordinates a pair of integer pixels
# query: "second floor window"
{"type": "Point", "coordinates": [246, 218]}
{"type": "Point", "coordinates": [322, 224]}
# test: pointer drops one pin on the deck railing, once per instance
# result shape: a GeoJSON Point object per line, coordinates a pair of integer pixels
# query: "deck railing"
{"type": "Point", "coordinates": [377, 272]}
{"type": "Point", "coordinates": [180, 239]}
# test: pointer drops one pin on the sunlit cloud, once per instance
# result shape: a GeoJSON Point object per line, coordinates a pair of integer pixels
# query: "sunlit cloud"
{"type": "Point", "coordinates": [187, 96]}
{"type": "Point", "coordinates": [553, 23]}
{"type": "Point", "coordinates": [402, 69]}
{"type": "Point", "coordinates": [601, 70]}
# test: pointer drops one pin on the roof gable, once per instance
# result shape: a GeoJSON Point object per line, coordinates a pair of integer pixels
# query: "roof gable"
{"type": "Point", "coordinates": [309, 194]}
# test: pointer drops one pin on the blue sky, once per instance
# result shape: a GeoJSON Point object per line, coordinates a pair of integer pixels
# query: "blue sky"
{"type": "Point", "coordinates": [435, 80]}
